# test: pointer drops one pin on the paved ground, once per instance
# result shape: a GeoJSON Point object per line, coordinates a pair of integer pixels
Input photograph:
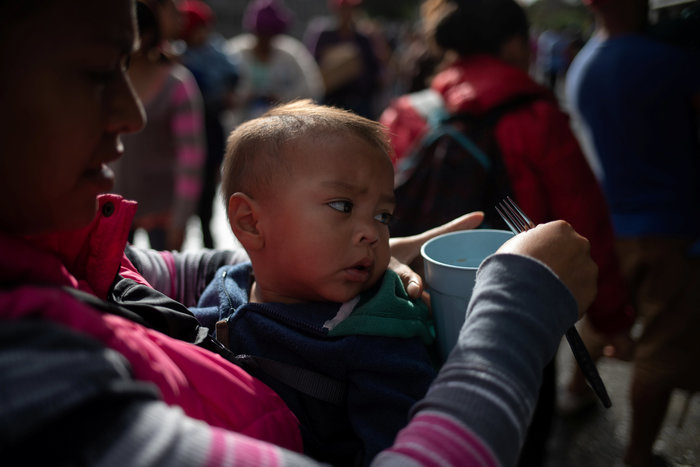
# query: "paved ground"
{"type": "Point", "coordinates": [595, 439]}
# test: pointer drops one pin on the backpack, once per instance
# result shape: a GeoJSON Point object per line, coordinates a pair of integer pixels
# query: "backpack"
{"type": "Point", "coordinates": [455, 168]}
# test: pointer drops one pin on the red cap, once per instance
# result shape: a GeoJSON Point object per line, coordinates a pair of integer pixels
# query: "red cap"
{"type": "Point", "coordinates": [195, 14]}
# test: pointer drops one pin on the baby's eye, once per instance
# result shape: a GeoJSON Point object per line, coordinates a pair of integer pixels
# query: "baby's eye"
{"type": "Point", "coordinates": [341, 205]}
{"type": "Point", "coordinates": [384, 217]}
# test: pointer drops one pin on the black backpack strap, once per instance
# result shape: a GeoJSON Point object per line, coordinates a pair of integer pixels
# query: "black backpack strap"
{"type": "Point", "coordinates": [306, 381]}
{"type": "Point", "coordinates": [447, 128]}
{"type": "Point", "coordinates": [105, 306]}
{"type": "Point", "coordinates": [157, 310]}
{"type": "Point", "coordinates": [493, 115]}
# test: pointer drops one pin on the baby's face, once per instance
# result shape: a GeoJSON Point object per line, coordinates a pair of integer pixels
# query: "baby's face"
{"type": "Point", "coordinates": [327, 237]}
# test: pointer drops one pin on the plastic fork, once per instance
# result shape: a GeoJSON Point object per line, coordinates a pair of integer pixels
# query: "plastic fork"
{"type": "Point", "coordinates": [518, 222]}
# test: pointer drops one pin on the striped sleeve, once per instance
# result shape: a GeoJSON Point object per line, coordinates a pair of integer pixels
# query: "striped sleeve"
{"type": "Point", "coordinates": [161, 435]}
{"type": "Point", "coordinates": [181, 276]}
{"type": "Point", "coordinates": [187, 127]}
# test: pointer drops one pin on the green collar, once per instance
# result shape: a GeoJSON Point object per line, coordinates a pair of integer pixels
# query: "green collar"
{"type": "Point", "coordinates": [386, 310]}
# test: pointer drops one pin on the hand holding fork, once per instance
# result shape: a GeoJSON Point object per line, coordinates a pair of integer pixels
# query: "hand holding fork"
{"type": "Point", "coordinates": [518, 222]}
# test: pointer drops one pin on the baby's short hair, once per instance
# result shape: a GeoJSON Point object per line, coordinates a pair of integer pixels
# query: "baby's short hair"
{"type": "Point", "coordinates": [256, 149]}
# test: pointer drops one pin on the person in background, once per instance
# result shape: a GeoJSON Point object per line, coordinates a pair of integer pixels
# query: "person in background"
{"type": "Point", "coordinates": [545, 169]}
{"type": "Point", "coordinates": [347, 59]}
{"type": "Point", "coordinates": [274, 67]}
{"type": "Point", "coordinates": [637, 102]}
{"type": "Point", "coordinates": [72, 370]}
{"type": "Point", "coordinates": [552, 56]}
{"type": "Point", "coordinates": [416, 62]}
{"type": "Point", "coordinates": [162, 164]}
{"type": "Point", "coordinates": [217, 77]}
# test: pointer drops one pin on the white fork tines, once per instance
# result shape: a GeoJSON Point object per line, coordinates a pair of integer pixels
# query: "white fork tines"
{"type": "Point", "coordinates": [513, 216]}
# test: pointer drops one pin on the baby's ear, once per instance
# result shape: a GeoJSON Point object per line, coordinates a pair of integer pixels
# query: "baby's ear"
{"type": "Point", "coordinates": [243, 218]}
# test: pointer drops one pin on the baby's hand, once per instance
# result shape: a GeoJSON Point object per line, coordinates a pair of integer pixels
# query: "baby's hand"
{"type": "Point", "coordinates": [411, 280]}
{"type": "Point", "coordinates": [405, 249]}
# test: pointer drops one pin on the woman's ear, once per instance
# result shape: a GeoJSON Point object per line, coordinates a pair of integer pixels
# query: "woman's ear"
{"type": "Point", "coordinates": [243, 214]}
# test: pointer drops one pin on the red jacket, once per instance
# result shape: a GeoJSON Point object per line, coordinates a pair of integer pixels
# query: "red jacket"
{"type": "Point", "coordinates": [548, 173]}
{"type": "Point", "coordinates": [203, 384]}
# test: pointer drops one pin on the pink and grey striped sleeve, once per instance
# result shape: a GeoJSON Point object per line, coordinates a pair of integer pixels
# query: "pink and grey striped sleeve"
{"type": "Point", "coordinates": [189, 139]}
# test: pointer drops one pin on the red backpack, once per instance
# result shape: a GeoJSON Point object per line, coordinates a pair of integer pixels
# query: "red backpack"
{"type": "Point", "coordinates": [454, 168]}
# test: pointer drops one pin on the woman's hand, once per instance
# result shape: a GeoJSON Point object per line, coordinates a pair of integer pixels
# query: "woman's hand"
{"type": "Point", "coordinates": [565, 252]}
{"type": "Point", "coordinates": [404, 250]}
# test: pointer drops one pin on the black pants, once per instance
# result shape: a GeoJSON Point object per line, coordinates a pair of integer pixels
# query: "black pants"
{"type": "Point", "coordinates": [216, 143]}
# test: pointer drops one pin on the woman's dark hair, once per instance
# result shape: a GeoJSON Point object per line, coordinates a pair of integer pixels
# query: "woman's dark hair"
{"type": "Point", "coordinates": [151, 37]}
{"type": "Point", "coordinates": [149, 30]}
{"type": "Point", "coordinates": [475, 26]}
{"type": "Point", "coordinates": [12, 11]}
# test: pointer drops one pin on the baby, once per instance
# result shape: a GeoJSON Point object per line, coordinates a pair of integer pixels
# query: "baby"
{"type": "Point", "coordinates": [310, 194]}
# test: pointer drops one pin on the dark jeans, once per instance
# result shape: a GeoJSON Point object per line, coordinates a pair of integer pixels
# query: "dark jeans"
{"type": "Point", "coordinates": [216, 143]}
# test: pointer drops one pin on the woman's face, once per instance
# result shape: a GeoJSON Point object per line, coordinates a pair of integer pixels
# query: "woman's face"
{"type": "Point", "coordinates": [66, 98]}
{"type": "Point", "coordinates": [170, 19]}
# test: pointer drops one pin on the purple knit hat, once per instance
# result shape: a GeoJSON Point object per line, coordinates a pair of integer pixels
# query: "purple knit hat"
{"type": "Point", "coordinates": [268, 17]}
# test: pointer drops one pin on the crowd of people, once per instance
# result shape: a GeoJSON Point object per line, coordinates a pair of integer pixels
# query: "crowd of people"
{"type": "Point", "coordinates": [311, 341]}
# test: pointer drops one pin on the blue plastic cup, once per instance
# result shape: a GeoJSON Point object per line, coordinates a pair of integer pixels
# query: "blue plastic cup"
{"type": "Point", "coordinates": [450, 264]}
